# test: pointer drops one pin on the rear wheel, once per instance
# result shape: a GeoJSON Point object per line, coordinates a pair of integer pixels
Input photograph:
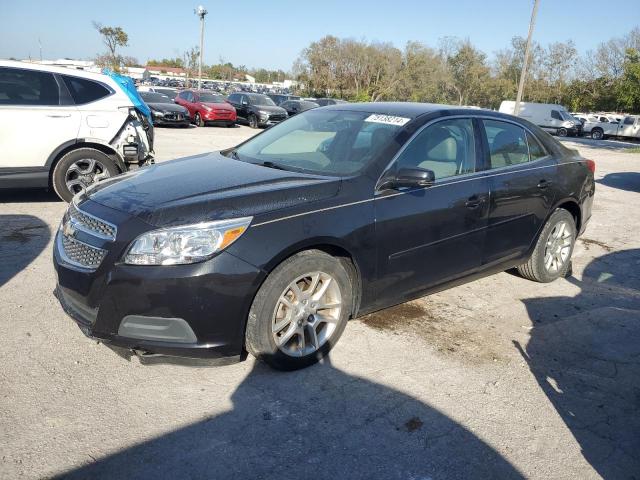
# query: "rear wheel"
{"type": "Point", "coordinates": [562, 132]}
{"type": "Point", "coordinates": [597, 134]}
{"type": "Point", "coordinates": [300, 311]}
{"type": "Point", "coordinates": [80, 168]}
{"type": "Point", "coordinates": [198, 120]}
{"type": "Point", "coordinates": [551, 257]}
{"type": "Point", "coordinates": [253, 121]}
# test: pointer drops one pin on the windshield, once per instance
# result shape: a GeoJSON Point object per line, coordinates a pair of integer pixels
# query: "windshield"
{"type": "Point", "coordinates": [151, 97]}
{"type": "Point", "coordinates": [260, 100]}
{"type": "Point", "coordinates": [566, 116]}
{"type": "Point", "coordinates": [323, 142]}
{"type": "Point", "coordinates": [210, 98]}
{"type": "Point", "coordinates": [168, 92]}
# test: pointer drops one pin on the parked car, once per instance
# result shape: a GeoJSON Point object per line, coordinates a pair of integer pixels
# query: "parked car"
{"type": "Point", "coordinates": [279, 98]}
{"type": "Point", "coordinates": [167, 91]}
{"type": "Point", "coordinates": [323, 102]}
{"type": "Point", "coordinates": [553, 118]}
{"type": "Point", "coordinates": [598, 127]}
{"type": "Point", "coordinates": [257, 109]}
{"type": "Point", "coordinates": [165, 111]}
{"type": "Point", "coordinates": [293, 107]}
{"type": "Point", "coordinates": [207, 108]}
{"type": "Point", "coordinates": [629, 127]}
{"type": "Point", "coordinates": [67, 129]}
{"type": "Point", "coordinates": [273, 245]}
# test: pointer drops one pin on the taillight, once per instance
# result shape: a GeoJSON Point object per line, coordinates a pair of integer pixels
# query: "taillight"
{"type": "Point", "coordinates": [591, 165]}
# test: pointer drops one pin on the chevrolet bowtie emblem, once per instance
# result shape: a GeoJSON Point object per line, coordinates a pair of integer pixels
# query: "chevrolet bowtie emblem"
{"type": "Point", "coordinates": [68, 229]}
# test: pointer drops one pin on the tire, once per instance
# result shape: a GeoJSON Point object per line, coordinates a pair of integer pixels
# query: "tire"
{"type": "Point", "coordinates": [198, 120]}
{"type": "Point", "coordinates": [535, 268]}
{"type": "Point", "coordinates": [231, 125]}
{"type": "Point", "coordinates": [268, 311]}
{"type": "Point", "coordinates": [253, 121]}
{"type": "Point", "coordinates": [90, 165]}
{"type": "Point", "coordinates": [562, 132]}
{"type": "Point", "coordinates": [597, 134]}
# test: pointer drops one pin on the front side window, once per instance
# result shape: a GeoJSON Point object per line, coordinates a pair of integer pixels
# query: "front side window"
{"type": "Point", "coordinates": [447, 148]}
{"type": "Point", "coordinates": [629, 121]}
{"type": "Point", "coordinates": [28, 87]}
{"type": "Point", "coordinates": [85, 91]}
{"type": "Point", "coordinates": [555, 115]}
{"type": "Point", "coordinates": [323, 142]}
{"type": "Point", "coordinates": [507, 143]}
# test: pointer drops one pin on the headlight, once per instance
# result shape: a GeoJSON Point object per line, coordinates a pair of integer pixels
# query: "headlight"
{"type": "Point", "coordinates": [263, 115]}
{"type": "Point", "coordinates": [186, 243]}
{"type": "Point", "coordinates": [157, 113]}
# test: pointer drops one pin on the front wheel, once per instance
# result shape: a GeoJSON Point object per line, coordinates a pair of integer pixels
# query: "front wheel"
{"type": "Point", "coordinates": [300, 311]}
{"type": "Point", "coordinates": [562, 132]}
{"type": "Point", "coordinates": [597, 134]}
{"type": "Point", "coordinates": [198, 119]}
{"type": "Point", "coordinates": [80, 168]}
{"type": "Point", "coordinates": [551, 257]}
{"type": "Point", "coordinates": [253, 121]}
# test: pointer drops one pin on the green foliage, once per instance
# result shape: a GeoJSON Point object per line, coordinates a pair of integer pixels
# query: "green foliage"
{"type": "Point", "coordinates": [628, 88]}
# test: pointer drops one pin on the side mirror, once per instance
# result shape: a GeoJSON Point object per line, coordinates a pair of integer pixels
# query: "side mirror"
{"type": "Point", "coordinates": [244, 102]}
{"type": "Point", "coordinates": [409, 178]}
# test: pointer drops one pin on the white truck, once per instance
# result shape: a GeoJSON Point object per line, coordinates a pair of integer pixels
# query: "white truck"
{"type": "Point", "coordinates": [598, 126]}
{"type": "Point", "coordinates": [555, 119]}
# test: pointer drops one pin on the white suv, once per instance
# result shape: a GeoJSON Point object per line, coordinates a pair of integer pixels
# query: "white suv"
{"type": "Point", "coordinates": [66, 129]}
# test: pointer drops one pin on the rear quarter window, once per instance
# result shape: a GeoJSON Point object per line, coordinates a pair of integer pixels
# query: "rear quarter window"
{"type": "Point", "coordinates": [85, 91]}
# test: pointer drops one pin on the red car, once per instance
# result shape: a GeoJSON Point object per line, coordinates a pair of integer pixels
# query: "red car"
{"type": "Point", "coordinates": [207, 108]}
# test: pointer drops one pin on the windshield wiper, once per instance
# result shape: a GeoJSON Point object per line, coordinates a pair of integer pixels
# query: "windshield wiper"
{"type": "Point", "coordinates": [270, 164]}
{"type": "Point", "coordinates": [234, 154]}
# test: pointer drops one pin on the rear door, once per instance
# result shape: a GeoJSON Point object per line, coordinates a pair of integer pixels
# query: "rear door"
{"type": "Point", "coordinates": [33, 119]}
{"type": "Point", "coordinates": [521, 186]}
{"type": "Point", "coordinates": [629, 127]}
{"type": "Point", "coordinates": [427, 236]}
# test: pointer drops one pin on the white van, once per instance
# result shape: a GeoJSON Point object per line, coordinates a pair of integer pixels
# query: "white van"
{"type": "Point", "coordinates": [553, 118]}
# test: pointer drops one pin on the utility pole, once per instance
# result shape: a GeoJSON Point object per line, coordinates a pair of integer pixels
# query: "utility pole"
{"type": "Point", "coordinates": [201, 12]}
{"type": "Point", "coordinates": [523, 74]}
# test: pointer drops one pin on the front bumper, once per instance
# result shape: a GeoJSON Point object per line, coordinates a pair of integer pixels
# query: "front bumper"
{"type": "Point", "coordinates": [213, 298]}
{"type": "Point", "coordinates": [222, 118]}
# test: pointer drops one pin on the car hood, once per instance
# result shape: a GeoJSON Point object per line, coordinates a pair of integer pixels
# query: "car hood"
{"type": "Point", "coordinates": [269, 109]}
{"type": "Point", "coordinates": [208, 187]}
{"type": "Point", "coordinates": [218, 106]}
{"type": "Point", "coordinates": [167, 107]}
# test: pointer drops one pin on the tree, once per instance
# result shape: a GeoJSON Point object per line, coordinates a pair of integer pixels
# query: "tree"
{"type": "Point", "coordinates": [628, 90]}
{"type": "Point", "coordinates": [112, 37]}
{"type": "Point", "coordinates": [190, 61]}
{"type": "Point", "coordinates": [470, 74]}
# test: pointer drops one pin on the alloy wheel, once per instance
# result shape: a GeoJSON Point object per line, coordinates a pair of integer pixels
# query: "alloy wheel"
{"type": "Point", "coordinates": [558, 247]}
{"type": "Point", "coordinates": [83, 173]}
{"type": "Point", "coordinates": [306, 314]}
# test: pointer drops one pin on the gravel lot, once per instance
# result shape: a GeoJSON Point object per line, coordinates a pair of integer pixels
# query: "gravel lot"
{"type": "Point", "coordinates": [499, 378]}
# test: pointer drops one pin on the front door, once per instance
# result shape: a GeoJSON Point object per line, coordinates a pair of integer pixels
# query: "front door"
{"type": "Point", "coordinates": [629, 127]}
{"type": "Point", "coordinates": [427, 236]}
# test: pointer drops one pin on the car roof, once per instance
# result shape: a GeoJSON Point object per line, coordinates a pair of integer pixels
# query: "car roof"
{"type": "Point", "coordinates": [53, 69]}
{"type": "Point", "coordinates": [407, 109]}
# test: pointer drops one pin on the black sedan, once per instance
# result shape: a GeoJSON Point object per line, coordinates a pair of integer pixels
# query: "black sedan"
{"type": "Point", "coordinates": [165, 112]}
{"type": "Point", "coordinates": [271, 246]}
{"type": "Point", "coordinates": [294, 107]}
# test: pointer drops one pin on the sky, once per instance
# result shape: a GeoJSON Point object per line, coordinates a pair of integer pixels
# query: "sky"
{"type": "Point", "coordinates": [272, 33]}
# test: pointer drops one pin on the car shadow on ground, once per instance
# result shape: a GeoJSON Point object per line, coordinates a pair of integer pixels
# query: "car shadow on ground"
{"type": "Point", "coordinates": [28, 195]}
{"type": "Point", "coordinates": [316, 423]}
{"type": "Point", "coordinates": [22, 239]}
{"type": "Point", "coordinates": [629, 181]}
{"type": "Point", "coordinates": [585, 353]}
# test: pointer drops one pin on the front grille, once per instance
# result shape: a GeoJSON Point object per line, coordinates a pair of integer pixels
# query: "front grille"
{"type": "Point", "coordinates": [277, 117]}
{"type": "Point", "coordinates": [80, 253]}
{"type": "Point", "coordinates": [174, 116]}
{"type": "Point", "coordinates": [91, 224]}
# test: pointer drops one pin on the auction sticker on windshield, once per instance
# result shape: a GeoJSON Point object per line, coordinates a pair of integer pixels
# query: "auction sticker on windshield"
{"type": "Point", "coordinates": [387, 119]}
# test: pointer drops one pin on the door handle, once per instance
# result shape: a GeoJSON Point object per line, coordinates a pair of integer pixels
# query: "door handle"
{"type": "Point", "coordinates": [474, 202]}
{"type": "Point", "coordinates": [59, 115]}
{"type": "Point", "coordinates": [542, 184]}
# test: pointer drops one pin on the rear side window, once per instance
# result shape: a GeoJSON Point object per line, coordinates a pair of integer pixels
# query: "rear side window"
{"type": "Point", "coordinates": [507, 143]}
{"type": "Point", "coordinates": [555, 115]}
{"type": "Point", "coordinates": [85, 91]}
{"type": "Point", "coordinates": [28, 87]}
{"type": "Point", "coordinates": [447, 148]}
{"type": "Point", "coordinates": [536, 150]}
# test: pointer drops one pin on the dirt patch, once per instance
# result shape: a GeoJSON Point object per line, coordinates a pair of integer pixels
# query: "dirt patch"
{"type": "Point", "coordinates": [587, 242]}
{"type": "Point", "coordinates": [442, 325]}
{"type": "Point", "coordinates": [22, 234]}
{"type": "Point", "coordinates": [413, 424]}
